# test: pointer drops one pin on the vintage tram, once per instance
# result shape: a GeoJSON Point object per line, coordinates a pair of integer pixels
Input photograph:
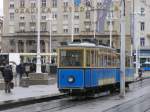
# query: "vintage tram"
{"type": "Point", "coordinates": [85, 68]}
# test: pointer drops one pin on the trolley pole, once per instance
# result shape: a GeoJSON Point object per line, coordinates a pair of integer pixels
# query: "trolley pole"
{"type": "Point", "coordinates": [122, 55]}
{"type": "Point", "coordinates": [38, 64]}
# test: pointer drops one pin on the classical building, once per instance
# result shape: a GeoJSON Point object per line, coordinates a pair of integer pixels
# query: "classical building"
{"type": "Point", "coordinates": [20, 23]}
{"type": "Point", "coordinates": [141, 32]}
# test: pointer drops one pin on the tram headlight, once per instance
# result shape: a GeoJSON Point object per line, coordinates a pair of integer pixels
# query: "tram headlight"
{"type": "Point", "coordinates": [71, 79]}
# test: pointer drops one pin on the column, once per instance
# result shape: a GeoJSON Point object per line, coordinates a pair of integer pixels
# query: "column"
{"type": "Point", "coordinates": [16, 48]}
{"type": "Point", "coordinates": [25, 49]}
{"type": "Point", "coordinates": [25, 46]}
{"type": "Point", "coordinates": [46, 50]}
{"type": "Point", "coordinates": [46, 47]}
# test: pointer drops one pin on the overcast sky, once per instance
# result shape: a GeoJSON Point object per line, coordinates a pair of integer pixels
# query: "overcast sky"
{"type": "Point", "coordinates": [1, 7]}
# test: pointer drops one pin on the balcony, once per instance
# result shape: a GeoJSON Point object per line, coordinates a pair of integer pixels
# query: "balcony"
{"type": "Point", "coordinates": [97, 33]}
{"type": "Point", "coordinates": [30, 33]}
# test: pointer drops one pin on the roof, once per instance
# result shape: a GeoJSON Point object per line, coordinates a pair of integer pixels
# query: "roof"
{"type": "Point", "coordinates": [85, 45]}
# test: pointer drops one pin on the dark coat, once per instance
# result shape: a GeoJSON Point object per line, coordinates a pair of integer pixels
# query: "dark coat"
{"type": "Point", "coordinates": [20, 69]}
{"type": "Point", "coordinates": [7, 74]}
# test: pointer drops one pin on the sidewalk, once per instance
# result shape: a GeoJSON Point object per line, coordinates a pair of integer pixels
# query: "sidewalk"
{"type": "Point", "coordinates": [32, 92]}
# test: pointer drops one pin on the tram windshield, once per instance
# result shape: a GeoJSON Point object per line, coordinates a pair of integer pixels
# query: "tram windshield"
{"type": "Point", "coordinates": [71, 58]}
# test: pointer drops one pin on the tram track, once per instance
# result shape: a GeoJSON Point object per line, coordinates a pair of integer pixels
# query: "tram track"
{"type": "Point", "coordinates": [66, 102]}
{"type": "Point", "coordinates": [126, 106]}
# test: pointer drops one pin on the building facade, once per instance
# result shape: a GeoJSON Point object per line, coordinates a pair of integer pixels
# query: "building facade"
{"type": "Point", "coordinates": [20, 23]}
{"type": "Point", "coordinates": [141, 38]}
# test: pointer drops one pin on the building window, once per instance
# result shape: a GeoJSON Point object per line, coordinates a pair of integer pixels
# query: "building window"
{"type": "Point", "coordinates": [33, 17]}
{"type": "Point", "coordinates": [43, 26]}
{"type": "Point", "coordinates": [87, 14]}
{"type": "Point", "coordinates": [22, 26]}
{"type": "Point", "coordinates": [43, 3]}
{"type": "Point", "coordinates": [142, 26]}
{"type": "Point", "coordinates": [11, 6]}
{"type": "Point", "coordinates": [22, 18]}
{"type": "Point", "coordinates": [142, 41]}
{"type": "Point", "coordinates": [54, 3]}
{"type": "Point", "coordinates": [65, 4]}
{"type": "Point", "coordinates": [76, 17]}
{"type": "Point", "coordinates": [65, 16]}
{"type": "Point", "coordinates": [65, 30]}
{"type": "Point", "coordinates": [76, 30]}
{"type": "Point", "coordinates": [43, 17]}
{"type": "Point", "coordinates": [88, 3]}
{"type": "Point", "coordinates": [54, 16]}
{"type": "Point", "coordinates": [33, 26]}
{"type": "Point", "coordinates": [12, 16]}
{"type": "Point", "coordinates": [100, 42]}
{"type": "Point", "coordinates": [87, 23]}
{"type": "Point", "coordinates": [142, 11]}
{"type": "Point", "coordinates": [88, 29]}
{"type": "Point", "coordinates": [33, 4]}
{"type": "Point", "coordinates": [22, 3]}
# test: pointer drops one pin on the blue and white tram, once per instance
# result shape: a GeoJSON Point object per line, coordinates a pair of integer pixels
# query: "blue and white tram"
{"type": "Point", "coordinates": [87, 68]}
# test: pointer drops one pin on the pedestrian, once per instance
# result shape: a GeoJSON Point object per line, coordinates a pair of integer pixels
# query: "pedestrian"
{"type": "Point", "coordinates": [20, 70]}
{"type": "Point", "coordinates": [27, 69]}
{"type": "Point", "coordinates": [8, 77]}
{"type": "Point", "coordinates": [140, 73]}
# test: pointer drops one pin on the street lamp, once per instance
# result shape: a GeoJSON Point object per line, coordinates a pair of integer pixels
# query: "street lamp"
{"type": "Point", "coordinates": [137, 41]}
{"type": "Point", "coordinates": [38, 64]}
{"type": "Point", "coordinates": [94, 18]}
{"type": "Point", "coordinates": [50, 35]}
{"type": "Point", "coordinates": [72, 22]}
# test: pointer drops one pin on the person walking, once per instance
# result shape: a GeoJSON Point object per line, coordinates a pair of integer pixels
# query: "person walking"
{"type": "Point", "coordinates": [140, 71]}
{"type": "Point", "coordinates": [20, 70]}
{"type": "Point", "coordinates": [8, 77]}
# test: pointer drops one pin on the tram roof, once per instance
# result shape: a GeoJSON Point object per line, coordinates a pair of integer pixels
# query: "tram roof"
{"type": "Point", "coordinates": [85, 45]}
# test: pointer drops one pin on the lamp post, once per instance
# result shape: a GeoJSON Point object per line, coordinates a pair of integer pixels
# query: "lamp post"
{"type": "Point", "coordinates": [38, 64]}
{"type": "Point", "coordinates": [72, 22]}
{"type": "Point", "coordinates": [122, 55]}
{"type": "Point", "coordinates": [137, 42]}
{"type": "Point", "coordinates": [50, 36]}
{"type": "Point", "coordinates": [94, 9]}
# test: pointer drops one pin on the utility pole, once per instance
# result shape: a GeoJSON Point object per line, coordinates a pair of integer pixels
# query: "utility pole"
{"type": "Point", "coordinates": [122, 55]}
{"type": "Point", "coordinates": [38, 64]}
{"type": "Point", "coordinates": [94, 9]}
{"type": "Point", "coordinates": [50, 35]}
{"type": "Point", "coordinates": [72, 21]}
{"type": "Point", "coordinates": [110, 26]}
{"type": "Point", "coordinates": [132, 33]}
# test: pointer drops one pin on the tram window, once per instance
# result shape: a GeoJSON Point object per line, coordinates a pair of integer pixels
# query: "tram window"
{"type": "Point", "coordinates": [109, 60]}
{"type": "Point", "coordinates": [96, 58]}
{"type": "Point", "coordinates": [105, 60]}
{"type": "Point", "coordinates": [88, 58]}
{"type": "Point", "coordinates": [115, 61]}
{"type": "Point", "coordinates": [71, 58]}
{"type": "Point", "coordinates": [118, 61]}
{"type": "Point", "coordinates": [112, 61]}
{"type": "Point", "coordinates": [127, 62]}
{"type": "Point", "coordinates": [101, 60]}
{"type": "Point", "coordinates": [92, 58]}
